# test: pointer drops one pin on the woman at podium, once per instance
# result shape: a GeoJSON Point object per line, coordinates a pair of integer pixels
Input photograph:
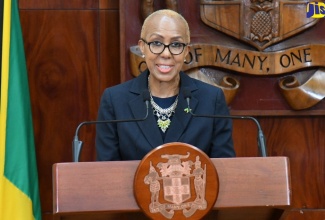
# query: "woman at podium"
{"type": "Point", "coordinates": [172, 96]}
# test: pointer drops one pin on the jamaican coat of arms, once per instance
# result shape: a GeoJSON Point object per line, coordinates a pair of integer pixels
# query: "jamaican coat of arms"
{"type": "Point", "coordinates": [174, 178]}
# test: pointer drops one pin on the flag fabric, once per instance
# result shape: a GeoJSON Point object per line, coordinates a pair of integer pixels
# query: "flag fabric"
{"type": "Point", "coordinates": [19, 190]}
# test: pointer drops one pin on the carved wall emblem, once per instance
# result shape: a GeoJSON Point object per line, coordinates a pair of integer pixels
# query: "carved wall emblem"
{"type": "Point", "coordinates": [175, 185]}
{"type": "Point", "coordinates": [260, 23]}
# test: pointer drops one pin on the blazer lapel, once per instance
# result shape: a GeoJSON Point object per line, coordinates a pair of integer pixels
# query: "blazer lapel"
{"type": "Point", "coordinates": [181, 118]}
{"type": "Point", "coordinates": [149, 126]}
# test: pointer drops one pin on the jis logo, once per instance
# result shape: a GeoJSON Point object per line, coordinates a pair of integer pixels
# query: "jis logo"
{"type": "Point", "coordinates": [315, 10]}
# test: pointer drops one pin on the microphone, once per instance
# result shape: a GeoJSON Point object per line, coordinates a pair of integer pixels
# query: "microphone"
{"type": "Point", "coordinates": [77, 144]}
{"type": "Point", "coordinates": [260, 135]}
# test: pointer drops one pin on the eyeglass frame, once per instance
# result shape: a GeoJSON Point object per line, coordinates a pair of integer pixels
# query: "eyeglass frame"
{"type": "Point", "coordinates": [148, 43]}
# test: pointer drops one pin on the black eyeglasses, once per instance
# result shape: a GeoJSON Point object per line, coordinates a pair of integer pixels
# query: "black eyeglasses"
{"type": "Point", "coordinates": [156, 47]}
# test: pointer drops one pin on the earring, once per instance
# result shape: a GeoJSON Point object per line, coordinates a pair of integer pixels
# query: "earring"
{"type": "Point", "coordinates": [143, 56]}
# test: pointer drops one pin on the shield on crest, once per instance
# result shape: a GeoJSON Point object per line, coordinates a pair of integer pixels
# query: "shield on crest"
{"type": "Point", "coordinates": [259, 23]}
{"type": "Point", "coordinates": [176, 189]}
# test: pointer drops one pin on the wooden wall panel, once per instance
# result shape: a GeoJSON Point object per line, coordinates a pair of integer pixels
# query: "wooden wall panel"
{"type": "Point", "coordinates": [306, 214]}
{"type": "Point", "coordinates": [299, 138]}
{"type": "Point", "coordinates": [302, 140]}
{"type": "Point", "coordinates": [109, 4]}
{"type": "Point", "coordinates": [109, 48]}
{"type": "Point", "coordinates": [59, 4]}
{"type": "Point", "coordinates": [63, 72]}
{"type": "Point", "coordinates": [72, 52]}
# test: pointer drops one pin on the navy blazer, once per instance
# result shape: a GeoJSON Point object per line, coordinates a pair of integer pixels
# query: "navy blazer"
{"type": "Point", "coordinates": [133, 140]}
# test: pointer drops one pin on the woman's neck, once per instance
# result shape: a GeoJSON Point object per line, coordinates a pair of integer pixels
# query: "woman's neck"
{"type": "Point", "coordinates": [164, 89]}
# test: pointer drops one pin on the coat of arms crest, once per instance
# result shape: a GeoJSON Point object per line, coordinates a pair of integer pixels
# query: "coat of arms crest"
{"type": "Point", "coordinates": [176, 181]}
{"type": "Point", "coordinates": [176, 177]}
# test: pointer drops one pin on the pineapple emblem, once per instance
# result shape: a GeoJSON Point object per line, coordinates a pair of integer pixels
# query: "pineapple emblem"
{"type": "Point", "coordinates": [261, 24]}
{"type": "Point", "coordinates": [264, 21]}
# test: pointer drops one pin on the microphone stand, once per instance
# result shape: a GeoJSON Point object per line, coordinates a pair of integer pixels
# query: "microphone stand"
{"type": "Point", "coordinates": [260, 136]}
{"type": "Point", "coordinates": [77, 144]}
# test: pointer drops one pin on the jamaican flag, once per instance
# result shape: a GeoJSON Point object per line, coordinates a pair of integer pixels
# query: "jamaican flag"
{"type": "Point", "coordinates": [19, 192]}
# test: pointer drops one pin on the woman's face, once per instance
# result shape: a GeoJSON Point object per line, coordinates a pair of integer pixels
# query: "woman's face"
{"type": "Point", "coordinates": [164, 67]}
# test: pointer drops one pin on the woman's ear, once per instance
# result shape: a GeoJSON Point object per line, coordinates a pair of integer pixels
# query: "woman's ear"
{"type": "Point", "coordinates": [141, 46]}
{"type": "Point", "coordinates": [187, 50]}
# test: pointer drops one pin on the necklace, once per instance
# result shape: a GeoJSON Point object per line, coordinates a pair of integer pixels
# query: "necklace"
{"type": "Point", "coordinates": [163, 114]}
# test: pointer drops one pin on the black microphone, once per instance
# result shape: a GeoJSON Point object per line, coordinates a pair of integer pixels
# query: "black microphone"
{"type": "Point", "coordinates": [260, 135]}
{"type": "Point", "coordinates": [77, 144]}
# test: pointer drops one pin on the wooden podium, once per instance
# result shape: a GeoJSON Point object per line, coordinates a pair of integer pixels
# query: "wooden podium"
{"type": "Point", "coordinates": [249, 188]}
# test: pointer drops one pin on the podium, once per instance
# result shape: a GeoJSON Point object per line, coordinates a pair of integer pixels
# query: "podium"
{"type": "Point", "coordinates": [249, 188]}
